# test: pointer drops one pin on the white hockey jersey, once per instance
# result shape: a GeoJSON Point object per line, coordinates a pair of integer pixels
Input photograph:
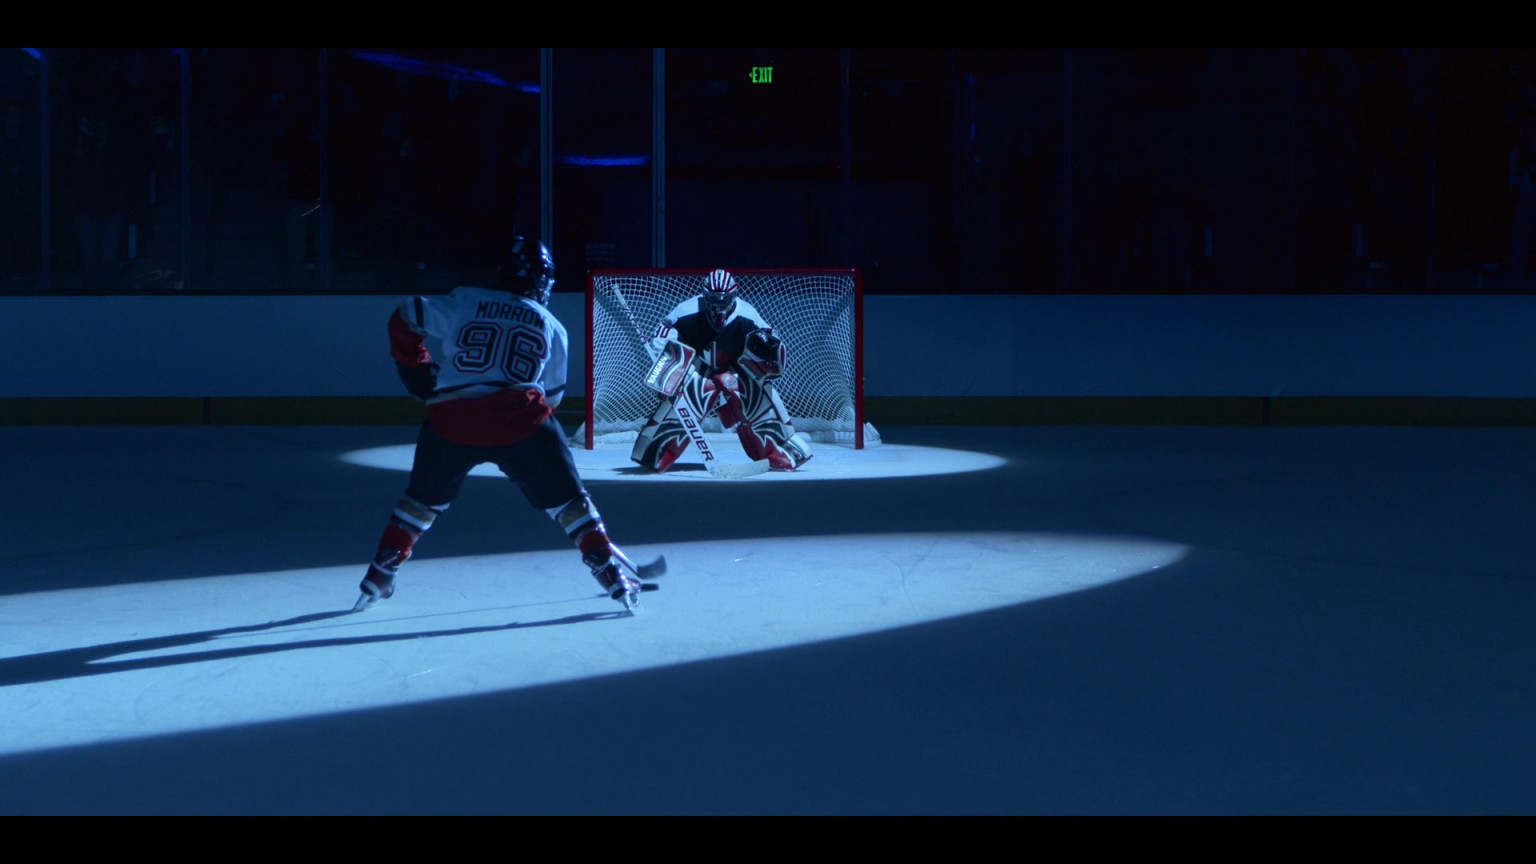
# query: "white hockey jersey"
{"type": "Point", "coordinates": [502, 357]}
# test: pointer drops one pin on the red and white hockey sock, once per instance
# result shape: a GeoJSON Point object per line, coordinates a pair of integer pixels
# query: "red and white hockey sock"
{"type": "Point", "coordinates": [582, 523]}
{"type": "Point", "coordinates": [407, 523]}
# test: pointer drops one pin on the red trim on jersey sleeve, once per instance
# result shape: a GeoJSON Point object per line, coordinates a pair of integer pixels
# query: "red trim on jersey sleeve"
{"type": "Point", "coordinates": [405, 344]}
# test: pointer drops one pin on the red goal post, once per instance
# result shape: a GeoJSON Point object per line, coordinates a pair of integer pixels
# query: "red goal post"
{"type": "Point", "coordinates": [818, 312]}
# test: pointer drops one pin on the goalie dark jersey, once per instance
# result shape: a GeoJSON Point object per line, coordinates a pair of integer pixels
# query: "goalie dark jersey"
{"type": "Point", "coordinates": [719, 350]}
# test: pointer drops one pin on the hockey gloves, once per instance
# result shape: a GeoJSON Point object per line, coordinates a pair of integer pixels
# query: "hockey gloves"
{"type": "Point", "coordinates": [421, 380]}
{"type": "Point", "coordinates": [764, 356]}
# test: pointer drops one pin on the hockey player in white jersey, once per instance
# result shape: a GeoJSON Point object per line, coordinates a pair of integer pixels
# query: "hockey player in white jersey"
{"type": "Point", "coordinates": [490, 364]}
{"type": "Point", "coordinates": [721, 356]}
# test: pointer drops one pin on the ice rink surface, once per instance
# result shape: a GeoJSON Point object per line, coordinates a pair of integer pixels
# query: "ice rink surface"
{"type": "Point", "coordinates": [1012, 620]}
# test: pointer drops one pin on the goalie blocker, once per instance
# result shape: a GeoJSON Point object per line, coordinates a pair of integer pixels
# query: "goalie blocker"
{"type": "Point", "coordinates": [746, 403]}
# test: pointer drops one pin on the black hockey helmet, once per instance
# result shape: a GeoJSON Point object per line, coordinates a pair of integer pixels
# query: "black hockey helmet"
{"type": "Point", "coordinates": [528, 269]}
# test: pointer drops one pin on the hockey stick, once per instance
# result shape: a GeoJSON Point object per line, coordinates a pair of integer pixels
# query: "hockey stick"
{"type": "Point", "coordinates": [722, 470]}
{"type": "Point", "coordinates": [644, 572]}
{"type": "Point", "coordinates": [645, 344]}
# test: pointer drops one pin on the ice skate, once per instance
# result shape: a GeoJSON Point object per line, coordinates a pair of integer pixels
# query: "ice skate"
{"type": "Point", "coordinates": [620, 585]}
{"type": "Point", "coordinates": [629, 595]}
{"type": "Point", "coordinates": [377, 585]}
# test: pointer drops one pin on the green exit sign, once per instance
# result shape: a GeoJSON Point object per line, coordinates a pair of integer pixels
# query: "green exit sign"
{"type": "Point", "coordinates": [762, 75]}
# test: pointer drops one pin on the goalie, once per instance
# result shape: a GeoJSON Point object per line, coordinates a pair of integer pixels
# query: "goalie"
{"type": "Point", "coordinates": [716, 355]}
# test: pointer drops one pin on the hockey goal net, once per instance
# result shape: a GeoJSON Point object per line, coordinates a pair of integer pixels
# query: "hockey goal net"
{"type": "Point", "coordinates": [816, 312]}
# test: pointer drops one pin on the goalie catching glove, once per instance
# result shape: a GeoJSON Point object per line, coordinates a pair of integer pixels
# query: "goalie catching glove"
{"type": "Point", "coordinates": [764, 355]}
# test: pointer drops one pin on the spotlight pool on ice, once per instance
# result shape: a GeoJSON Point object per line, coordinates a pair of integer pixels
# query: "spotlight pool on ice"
{"type": "Point", "coordinates": [831, 462]}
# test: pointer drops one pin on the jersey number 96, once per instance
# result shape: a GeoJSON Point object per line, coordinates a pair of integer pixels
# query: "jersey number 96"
{"type": "Point", "coordinates": [518, 347]}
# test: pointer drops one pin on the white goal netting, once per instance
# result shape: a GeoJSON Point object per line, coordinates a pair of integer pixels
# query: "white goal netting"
{"type": "Point", "coordinates": [815, 312]}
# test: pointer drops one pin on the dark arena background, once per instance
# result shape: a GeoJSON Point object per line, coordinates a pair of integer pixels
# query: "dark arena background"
{"type": "Point", "coordinates": [1179, 457]}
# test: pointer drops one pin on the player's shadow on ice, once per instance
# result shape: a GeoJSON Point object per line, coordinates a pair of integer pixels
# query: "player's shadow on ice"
{"type": "Point", "coordinates": [92, 660]}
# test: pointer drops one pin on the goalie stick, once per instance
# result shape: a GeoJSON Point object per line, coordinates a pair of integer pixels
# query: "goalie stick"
{"type": "Point", "coordinates": [721, 470]}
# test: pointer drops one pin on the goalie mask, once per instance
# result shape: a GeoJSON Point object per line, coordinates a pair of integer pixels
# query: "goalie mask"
{"type": "Point", "coordinates": [528, 270]}
{"type": "Point", "coordinates": [719, 298]}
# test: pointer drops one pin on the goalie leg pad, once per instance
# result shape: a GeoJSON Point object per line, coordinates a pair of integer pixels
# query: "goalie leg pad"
{"type": "Point", "coordinates": [784, 453]}
{"type": "Point", "coordinates": [766, 431]}
{"type": "Point", "coordinates": [706, 395]}
{"type": "Point", "coordinates": [661, 440]}
{"type": "Point", "coordinates": [724, 391]}
{"type": "Point", "coordinates": [790, 453]}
